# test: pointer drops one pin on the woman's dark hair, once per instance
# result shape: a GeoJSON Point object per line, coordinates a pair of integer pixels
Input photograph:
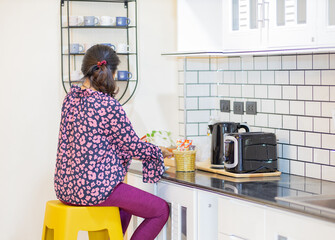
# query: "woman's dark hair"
{"type": "Point", "coordinates": [101, 77]}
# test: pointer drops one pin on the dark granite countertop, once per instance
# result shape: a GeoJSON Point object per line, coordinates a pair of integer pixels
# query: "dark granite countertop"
{"type": "Point", "coordinates": [263, 190]}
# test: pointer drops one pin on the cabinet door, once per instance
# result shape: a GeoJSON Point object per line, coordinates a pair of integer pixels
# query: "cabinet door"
{"type": "Point", "coordinates": [292, 23]}
{"type": "Point", "coordinates": [207, 215]}
{"type": "Point", "coordinates": [242, 28]}
{"type": "Point", "coordinates": [240, 219]}
{"type": "Point", "coordinates": [326, 22]}
{"type": "Point", "coordinates": [199, 25]}
{"type": "Point", "coordinates": [286, 225]}
{"type": "Point", "coordinates": [183, 217]}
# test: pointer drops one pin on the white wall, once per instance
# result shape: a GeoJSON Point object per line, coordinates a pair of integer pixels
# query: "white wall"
{"type": "Point", "coordinates": [31, 96]}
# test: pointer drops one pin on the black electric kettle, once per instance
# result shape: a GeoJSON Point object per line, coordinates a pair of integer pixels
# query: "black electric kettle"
{"type": "Point", "coordinates": [217, 147]}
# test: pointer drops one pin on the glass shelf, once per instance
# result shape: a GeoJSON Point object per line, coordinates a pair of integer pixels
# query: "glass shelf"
{"type": "Point", "coordinates": [110, 1]}
{"type": "Point", "coordinates": [80, 81]}
{"type": "Point", "coordinates": [89, 27]}
{"type": "Point", "coordinates": [82, 54]}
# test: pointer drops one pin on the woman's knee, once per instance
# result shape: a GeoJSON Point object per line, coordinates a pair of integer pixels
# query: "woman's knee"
{"type": "Point", "coordinates": [165, 211]}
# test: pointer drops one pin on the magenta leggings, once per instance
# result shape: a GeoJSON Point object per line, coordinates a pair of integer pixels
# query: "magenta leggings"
{"type": "Point", "coordinates": [133, 201]}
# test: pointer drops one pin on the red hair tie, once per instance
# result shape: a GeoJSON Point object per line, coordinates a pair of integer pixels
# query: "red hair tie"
{"type": "Point", "coordinates": [103, 62]}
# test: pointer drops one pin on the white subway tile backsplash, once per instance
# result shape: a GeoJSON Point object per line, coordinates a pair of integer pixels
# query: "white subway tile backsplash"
{"type": "Point", "coordinates": [332, 61]}
{"type": "Point", "coordinates": [321, 156]}
{"type": "Point", "coordinates": [332, 94]}
{"type": "Point", "coordinates": [267, 106]}
{"type": "Point", "coordinates": [235, 118]}
{"type": "Point", "coordinates": [241, 77]}
{"type": "Point", "coordinates": [191, 77]}
{"type": "Point", "coordinates": [235, 91]}
{"type": "Point", "coordinates": [261, 120]}
{"type": "Point", "coordinates": [181, 90]}
{"type": "Point", "coordinates": [197, 63]}
{"type": "Point", "coordinates": [297, 107]}
{"type": "Point", "coordinates": [289, 62]}
{"type": "Point", "coordinates": [312, 77]}
{"type": "Point", "coordinates": [224, 116]}
{"type": "Point", "coordinates": [198, 116]}
{"type": "Point", "coordinates": [260, 63]}
{"type": "Point", "coordinates": [248, 91]}
{"type": "Point", "coordinates": [249, 119]}
{"type": "Point", "coordinates": [281, 77]}
{"type": "Point", "coordinates": [209, 76]}
{"type": "Point", "coordinates": [313, 170]}
{"type": "Point", "coordinates": [289, 92]}
{"type": "Point", "coordinates": [247, 62]}
{"type": "Point", "coordinates": [254, 77]}
{"type": "Point", "coordinates": [320, 61]}
{"type": "Point", "coordinates": [191, 103]}
{"type": "Point", "coordinates": [275, 121]}
{"type": "Point", "coordinates": [274, 62]}
{"type": "Point", "coordinates": [304, 62]}
{"type": "Point", "coordinates": [297, 168]}
{"type": "Point", "coordinates": [313, 139]}
{"type": "Point", "coordinates": [267, 77]}
{"type": "Point", "coordinates": [181, 77]}
{"type": "Point", "coordinates": [327, 108]}
{"type": "Point", "coordinates": [214, 90]}
{"type": "Point", "coordinates": [203, 127]}
{"type": "Point", "coordinates": [290, 122]}
{"type": "Point", "coordinates": [182, 130]}
{"type": "Point", "coordinates": [192, 129]}
{"type": "Point", "coordinates": [305, 154]}
{"type": "Point", "coordinates": [223, 90]}
{"type": "Point", "coordinates": [181, 103]}
{"type": "Point", "coordinates": [197, 90]}
{"type": "Point", "coordinates": [213, 63]}
{"type": "Point", "coordinates": [332, 157]}
{"type": "Point", "coordinates": [305, 123]}
{"type": "Point", "coordinates": [284, 165]}
{"type": "Point", "coordinates": [328, 77]}
{"type": "Point", "coordinates": [289, 151]}
{"type": "Point", "coordinates": [297, 138]}
{"type": "Point", "coordinates": [282, 106]}
{"type": "Point", "coordinates": [321, 93]}
{"type": "Point", "coordinates": [234, 63]}
{"type": "Point", "coordinates": [321, 125]}
{"type": "Point", "coordinates": [313, 108]}
{"type": "Point", "coordinates": [305, 93]}
{"type": "Point", "coordinates": [208, 103]}
{"type": "Point", "coordinates": [328, 141]}
{"type": "Point", "coordinates": [328, 173]}
{"type": "Point", "coordinates": [297, 77]}
{"type": "Point", "coordinates": [228, 77]}
{"type": "Point", "coordinates": [274, 92]}
{"type": "Point", "coordinates": [261, 91]}
{"type": "Point", "coordinates": [223, 63]}
{"type": "Point", "coordinates": [283, 136]}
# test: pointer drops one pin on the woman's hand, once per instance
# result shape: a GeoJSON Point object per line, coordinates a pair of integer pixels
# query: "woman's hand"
{"type": "Point", "coordinates": [166, 152]}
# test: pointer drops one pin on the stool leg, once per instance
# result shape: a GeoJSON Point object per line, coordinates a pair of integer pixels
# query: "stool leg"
{"type": "Point", "coordinates": [98, 235]}
{"type": "Point", "coordinates": [48, 233]}
{"type": "Point", "coordinates": [62, 234]}
{"type": "Point", "coordinates": [115, 233]}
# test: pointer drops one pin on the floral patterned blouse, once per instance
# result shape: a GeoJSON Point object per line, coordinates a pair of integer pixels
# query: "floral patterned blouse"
{"type": "Point", "coordinates": [96, 145]}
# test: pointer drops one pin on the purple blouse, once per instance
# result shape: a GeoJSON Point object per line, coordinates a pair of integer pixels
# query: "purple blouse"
{"type": "Point", "coordinates": [96, 145]}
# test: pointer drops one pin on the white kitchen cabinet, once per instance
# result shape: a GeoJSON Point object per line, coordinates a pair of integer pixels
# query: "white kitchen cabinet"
{"type": "Point", "coordinates": [207, 215]}
{"type": "Point", "coordinates": [326, 22]}
{"type": "Point", "coordinates": [240, 219]}
{"type": "Point", "coordinates": [286, 225]}
{"type": "Point", "coordinates": [183, 211]}
{"type": "Point", "coordinates": [199, 25]}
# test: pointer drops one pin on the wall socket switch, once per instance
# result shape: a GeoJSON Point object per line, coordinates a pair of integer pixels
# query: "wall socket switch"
{"type": "Point", "coordinates": [225, 105]}
{"type": "Point", "coordinates": [239, 108]}
{"type": "Point", "coordinates": [251, 108]}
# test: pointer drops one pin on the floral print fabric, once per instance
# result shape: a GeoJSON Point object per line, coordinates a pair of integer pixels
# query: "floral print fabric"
{"type": "Point", "coordinates": [95, 147]}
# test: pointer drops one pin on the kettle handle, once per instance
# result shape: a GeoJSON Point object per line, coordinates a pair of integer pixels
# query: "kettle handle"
{"type": "Point", "coordinates": [234, 164]}
{"type": "Point", "coordinates": [244, 126]}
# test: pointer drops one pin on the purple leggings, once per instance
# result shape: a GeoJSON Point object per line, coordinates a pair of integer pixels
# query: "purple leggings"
{"type": "Point", "coordinates": [133, 201]}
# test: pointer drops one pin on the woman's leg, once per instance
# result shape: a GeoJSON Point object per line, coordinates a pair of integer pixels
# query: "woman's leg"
{"type": "Point", "coordinates": [131, 200]}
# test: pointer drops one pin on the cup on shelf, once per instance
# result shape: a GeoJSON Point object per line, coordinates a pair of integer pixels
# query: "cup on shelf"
{"type": "Point", "coordinates": [91, 20]}
{"type": "Point", "coordinates": [76, 20]}
{"type": "Point", "coordinates": [124, 75]}
{"type": "Point", "coordinates": [122, 21]}
{"type": "Point", "coordinates": [76, 48]}
{"type": "Point", "coordinates": [107, 21]}
{"type": "Point", "coordinates": [109, 45]}
{"type": "Point", "coordinates": [123, 48]}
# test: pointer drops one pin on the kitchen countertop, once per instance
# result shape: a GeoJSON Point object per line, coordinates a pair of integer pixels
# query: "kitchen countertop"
{"type": "Point", "coordinates": [261, 190]}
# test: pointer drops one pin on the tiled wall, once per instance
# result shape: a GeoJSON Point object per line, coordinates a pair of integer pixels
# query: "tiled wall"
{"type": "Point", "coordinates": [295, 96]}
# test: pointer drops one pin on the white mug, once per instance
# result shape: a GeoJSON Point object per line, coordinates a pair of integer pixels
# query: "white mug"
{"type": "Point", "coordinates": [76, 20]}
{"type": "Point", "coordinates": [107, 21]}
{"type": "Point", "coordinates": [123, 48]}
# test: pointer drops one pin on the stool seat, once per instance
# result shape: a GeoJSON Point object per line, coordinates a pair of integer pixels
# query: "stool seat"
{"type": "Point", "coordinates": [62, 222]}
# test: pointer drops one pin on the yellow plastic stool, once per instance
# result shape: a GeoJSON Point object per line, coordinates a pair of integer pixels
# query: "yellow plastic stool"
{"type": "Point", "coordinates": [62, 222]}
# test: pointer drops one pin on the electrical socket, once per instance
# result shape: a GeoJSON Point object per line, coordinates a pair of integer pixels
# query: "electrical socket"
{"type": "Point", "coordinates": [225, 105]}
{"type": "Point", "coordinates": [251, 108]}
{"type": "Point", "coordinates": [238, 108]}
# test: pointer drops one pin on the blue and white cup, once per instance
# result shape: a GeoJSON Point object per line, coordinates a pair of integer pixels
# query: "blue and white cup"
{"type": "Point", "coordinates": [122, 21]}
{"type": "Point", "coordinates": [76, 48]}
{"type": "Point", "coordinates": [91, 20]}
{"type": "Point", "coordinates": [109, 45]}
{"type": "Point", "coordinates": [124, 75]}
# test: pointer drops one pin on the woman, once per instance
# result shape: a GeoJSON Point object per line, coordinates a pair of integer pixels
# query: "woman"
{"type": "Point", "coordinates": [96, 145]}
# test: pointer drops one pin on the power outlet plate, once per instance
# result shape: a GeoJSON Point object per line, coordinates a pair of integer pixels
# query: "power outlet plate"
{"type": "Point", "coordinates": [251, 108]}
{"type": "Point", "coordinates": [225, 105]}
{"type": "Point", "coordinates": [238, 108]}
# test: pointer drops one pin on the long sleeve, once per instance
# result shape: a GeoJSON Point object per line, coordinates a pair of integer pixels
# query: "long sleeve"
{"type": "Point", "coordinates": [130, 144]}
